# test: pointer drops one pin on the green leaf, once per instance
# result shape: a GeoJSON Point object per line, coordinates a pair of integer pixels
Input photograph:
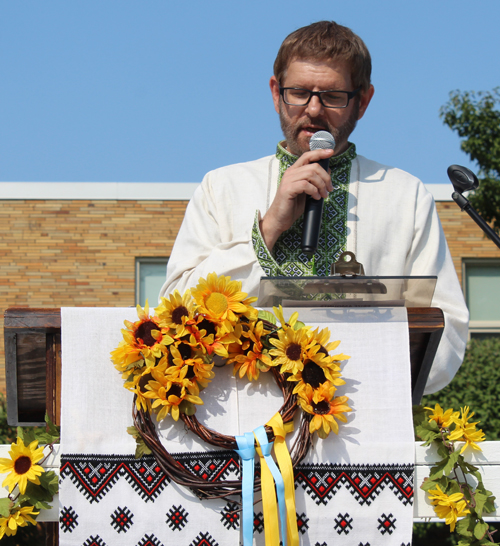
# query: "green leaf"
{"type": "Point", "coordinates": [5, 506]}
{"type": "Point", "coordinates": [451, 462]}
{"type": "Point", "coordinates": [489, 505]}
{"type": "Point", "coordinates": [480, 529]}
{"type": "Point", "coordinates": [142, 449]}
{"type": "Point", "coordinates": [50, 481]}
{"type": "Point", "coordinates": [298, 325]}
{"type": "Point", "coordinates": [462, 527]}
{"type": "Point", "coordinates": [480, 499]}
{"type": "Point", "coordinates": [188, 408]}
{"type": "Point", "coordinates": [437, 470]}
{"type": "Point", "coordinates": [267, 315]}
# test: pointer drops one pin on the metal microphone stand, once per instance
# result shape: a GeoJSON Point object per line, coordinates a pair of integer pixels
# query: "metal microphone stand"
{"type": "Point", "coordinates": [464, 179]}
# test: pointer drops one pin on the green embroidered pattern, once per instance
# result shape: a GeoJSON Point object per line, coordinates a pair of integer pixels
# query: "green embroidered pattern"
{"type": "Point", "coordinates": [288, 259]}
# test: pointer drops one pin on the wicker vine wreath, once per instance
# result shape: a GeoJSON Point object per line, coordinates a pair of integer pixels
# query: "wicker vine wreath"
{"type": "Point", "coordinates": [168, 358]}
{"type": "Point", "coordinates": [220, 488]}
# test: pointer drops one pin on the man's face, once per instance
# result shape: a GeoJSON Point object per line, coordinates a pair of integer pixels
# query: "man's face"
{"type": "Point", "coordinates": [299, 123]}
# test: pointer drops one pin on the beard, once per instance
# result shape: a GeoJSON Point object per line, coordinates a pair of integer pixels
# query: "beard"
{"type": "Point", "coordinates": [298, 146]}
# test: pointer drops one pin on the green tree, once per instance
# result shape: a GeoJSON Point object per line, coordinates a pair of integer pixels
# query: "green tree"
{"type": "Point", "coordinates": [476, 119]}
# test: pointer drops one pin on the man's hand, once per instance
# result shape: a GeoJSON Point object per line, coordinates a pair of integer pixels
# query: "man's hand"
{"type": "Point", "coordinates": [303, 178]}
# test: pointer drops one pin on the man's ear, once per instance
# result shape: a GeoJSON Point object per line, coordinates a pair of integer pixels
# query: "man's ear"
{"type": "Point", "coordinates": [275, 91]}
{"type": "Point", "coordinates": [364, 101]}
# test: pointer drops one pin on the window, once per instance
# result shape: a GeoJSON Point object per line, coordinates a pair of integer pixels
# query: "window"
{"type": "Point", "coordinates": [150, 274]}
{"type": "Point", "coordinates": [482, 293]}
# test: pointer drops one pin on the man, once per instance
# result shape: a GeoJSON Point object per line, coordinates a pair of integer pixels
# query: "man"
{"type": "Point", "coordinates": [245, 220]}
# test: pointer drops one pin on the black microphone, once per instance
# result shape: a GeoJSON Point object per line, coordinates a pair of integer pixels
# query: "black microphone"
{"type": "Point", "coordinates": [313, 212]}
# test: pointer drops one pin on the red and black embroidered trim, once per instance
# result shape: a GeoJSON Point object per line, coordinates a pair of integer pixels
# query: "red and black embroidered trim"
{"type": "Point", "coordinates": [365, 482]}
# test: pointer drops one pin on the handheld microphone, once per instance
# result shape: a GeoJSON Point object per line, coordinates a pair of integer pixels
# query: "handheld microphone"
{"type": "Point", "coordinates": [313, 212]}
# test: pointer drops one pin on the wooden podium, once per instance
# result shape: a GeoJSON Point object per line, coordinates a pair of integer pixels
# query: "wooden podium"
{"type": "Point", "coordinates": [33, 359]}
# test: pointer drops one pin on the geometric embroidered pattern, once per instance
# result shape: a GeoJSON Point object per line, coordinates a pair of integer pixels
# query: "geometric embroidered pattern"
{"type": "Point", "coordinates": [95, 475]}
{"type": "Point", "coordinates": [386, 524]}
{"type": "Point", "coordinates": [94, 541]}
{"type": "Point", "coordinates": [364, 482]}
{"type": "Point", "coordinates": [231, 516]}
{"type": "Point", "coordinates": [177, 518]}
{"type": "Point", "coordinates": [288, 258]}
{"type": "Point", "coordinates": [149, 540]}
{"type": "Point", "coordinates": [258, 522]}
{"type": "Point", "coordinates": [210, 465]}
{"type": "Point", "coordinates": [204, 539]}
{"type": "Point", "coordinates": [121, 519]}
{"type": "Point", "coordinates": [343, 524]}
{"type": "Point", "coordinates": [68, 519]}
{"type": "Point", "coordinates": [302, 523]}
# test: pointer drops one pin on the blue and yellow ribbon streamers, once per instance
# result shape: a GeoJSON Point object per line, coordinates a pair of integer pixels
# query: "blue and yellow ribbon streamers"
{"type": "Point", "coordinates": [285, 463]}
{"type": "Point", "coordinates": [269, 470]}
{"type": "Point", "coordinates": [246, 451]}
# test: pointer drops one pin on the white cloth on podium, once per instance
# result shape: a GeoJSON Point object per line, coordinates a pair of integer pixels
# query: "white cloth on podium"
{"type": "Point", "coordinates": [354, 489]}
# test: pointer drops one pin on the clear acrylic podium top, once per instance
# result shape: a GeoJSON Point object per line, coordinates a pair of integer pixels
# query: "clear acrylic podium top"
{"type": "Point", "coordinates": [347, 291]}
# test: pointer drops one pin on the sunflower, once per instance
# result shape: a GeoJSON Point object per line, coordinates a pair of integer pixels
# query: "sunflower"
{"type": "Point", "coordinates": [324, 407]}
{"type": "Point", "coordinates": [320, 345]}
{"type": "Point", "coordinates": [316, 370]}
{"type": "Point", "coordinates": [466, 432]}
{"type": "Point", "coordinates": [143, 342]}
{"type": "Point", "coordinates": [19, 518]}
{"type": "Point", "coordinates": [176, 311]}
{"type": "Point", "coordinates": [291, 347]}
{"type": "Point", "coordinates": [137, 384]}
{"type": "Point", "coordinates": [252, 358]}
{"type": "Point", "coordinates": [194, 369]}
{"type": "Point", "coordinates": [167, 394]}
{"type": "Point", "coordinates": [278, 311]}
{"type": "Point", "coordinates": [212, 338]}
{"type": "Point", "coordinates": [443, 418]}
{"type": "Point", "coordinates": [448, 507]}
{"type": "Point", "coordinates": [221, 301]}
{"type": "Point", "coordinates": [22, 465]}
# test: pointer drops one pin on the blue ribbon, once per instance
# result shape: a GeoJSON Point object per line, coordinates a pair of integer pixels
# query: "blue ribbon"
{"type": "Point", "coordinates": [266, 447]}
{"type": "Point", "coordinates": [246, 451]}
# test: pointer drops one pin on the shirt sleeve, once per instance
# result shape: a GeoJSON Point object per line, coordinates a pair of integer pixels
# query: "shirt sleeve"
{"type": "Point", "coordinates": [207, 242]}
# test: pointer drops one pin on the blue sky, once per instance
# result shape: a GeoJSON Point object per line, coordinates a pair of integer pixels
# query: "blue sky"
{"type": "Point", "coordinates": [163, 91]}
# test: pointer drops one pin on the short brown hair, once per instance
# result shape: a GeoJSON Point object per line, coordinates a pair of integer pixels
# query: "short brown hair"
{"type": "Point", "coordinates": [326, 40]}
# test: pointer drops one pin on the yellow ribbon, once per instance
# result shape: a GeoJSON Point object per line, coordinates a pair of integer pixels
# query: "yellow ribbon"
{"type": "Point", "coordinates": [270, 509]}
{"type": "Point", "coordinates": [285, 463]}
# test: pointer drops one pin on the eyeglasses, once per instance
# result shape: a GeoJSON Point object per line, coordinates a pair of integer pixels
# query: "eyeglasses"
{"type": "Point", "coordinates": [295, 96]}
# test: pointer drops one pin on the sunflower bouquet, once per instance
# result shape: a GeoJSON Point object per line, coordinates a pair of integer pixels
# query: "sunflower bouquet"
{"type": "Point", "coordinates": [167, 358]}
{"type": "Point", "coordinates": [31, 487]}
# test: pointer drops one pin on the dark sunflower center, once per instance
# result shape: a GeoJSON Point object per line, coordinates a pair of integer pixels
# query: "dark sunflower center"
{"type": "Point", "coordinates": [321, 408]}
{"type": "Point", "coordinates": [174, 390]}
{"type": "Point", "coordinates": [293, 351]}
{"type": "Point", "coordinates": [144, 380]}
{"type": "Point", "coordinates": [185, 352]}
{"type": "Point", "coordinates": [178, 314]}
{"type": "Point", "coordinates": [313, 374]}
{"type": "Point", "coordinates": [190, 372]}
{"type": "Point", "coordinates": [144, 333]}
{"type": "Point", "coordinates": [22, 465]}
{"type": "Point", "coordinates": [208, 326]}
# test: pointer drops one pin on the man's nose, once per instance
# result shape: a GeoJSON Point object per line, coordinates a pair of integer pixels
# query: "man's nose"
{"type": "Point", "coordinates": [314, 108]}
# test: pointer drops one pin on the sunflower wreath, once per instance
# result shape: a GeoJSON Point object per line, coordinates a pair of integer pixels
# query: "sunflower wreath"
{"type": "Point", "coordinates": [168, 358]}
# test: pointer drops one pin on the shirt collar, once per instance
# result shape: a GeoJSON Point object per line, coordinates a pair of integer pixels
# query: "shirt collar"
{"type": "Point", "coordinates": [284, 156]}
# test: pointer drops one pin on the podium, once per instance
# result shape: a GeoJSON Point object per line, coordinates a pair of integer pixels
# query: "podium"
{"type": "Point", "coordinates": [33, 336]}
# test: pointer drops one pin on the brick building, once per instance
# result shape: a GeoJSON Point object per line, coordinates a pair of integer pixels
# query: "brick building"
{"type": "Point", "coordinates": [107, 244]}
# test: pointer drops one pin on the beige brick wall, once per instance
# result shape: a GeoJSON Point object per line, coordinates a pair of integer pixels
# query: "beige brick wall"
{"type": "Point", "coordinates": [465, 238]}
{"type": "Point", "coordinates": [78, 253]}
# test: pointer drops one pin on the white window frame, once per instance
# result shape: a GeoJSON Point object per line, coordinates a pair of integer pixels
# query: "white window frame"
{"type": "Point", "coordinates": [140, 260]}
{"type": "Point", "coordinates": [491, 327]}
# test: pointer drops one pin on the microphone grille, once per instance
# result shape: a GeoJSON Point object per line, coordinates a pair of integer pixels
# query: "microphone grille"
{"type": "Point", "coordinates": [322, 140]}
